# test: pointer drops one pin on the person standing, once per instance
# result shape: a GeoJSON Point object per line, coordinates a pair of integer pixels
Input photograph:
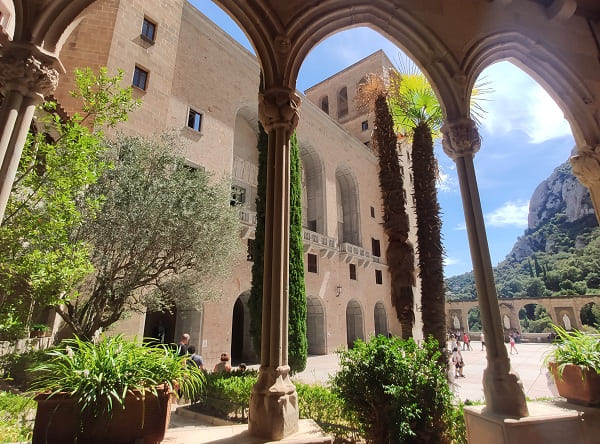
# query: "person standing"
{"type": "Point", "coordinates": [512, 344]}
{"type": "Point", "coordinates": [458, 362]}
{"type": "Point", "coordinates": [482, 341]}
{"type": "Point", "coordinates": [466, 342]}
{"type": "Point", "coordinates": [182, 346]}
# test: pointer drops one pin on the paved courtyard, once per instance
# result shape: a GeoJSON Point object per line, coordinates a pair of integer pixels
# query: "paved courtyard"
{"type": "Point", "coordinates": [528, 364]}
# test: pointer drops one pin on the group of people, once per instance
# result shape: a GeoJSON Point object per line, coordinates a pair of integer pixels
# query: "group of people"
{"type": "Point", "coordinates": [184, 349]}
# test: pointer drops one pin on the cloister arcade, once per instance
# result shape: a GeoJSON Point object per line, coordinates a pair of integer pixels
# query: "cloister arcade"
{"type": "Point", "coordinates": [555, 41]}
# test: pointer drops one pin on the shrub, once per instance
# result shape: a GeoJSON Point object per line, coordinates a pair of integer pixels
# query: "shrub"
{"type": "Point", "coordinates": [227, 395]}
{"type": "Point", "coordinates": [16, 367]}
{"type": "Point", "coordinates": [397, 390]}
{"type": "Point", "coordinates": [14, 424]}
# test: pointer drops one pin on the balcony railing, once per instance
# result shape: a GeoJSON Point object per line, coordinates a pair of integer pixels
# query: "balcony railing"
{"type": "Point", "coordinates": [325, 246]}
{"type": "Point", "coordinates": [350, 252]}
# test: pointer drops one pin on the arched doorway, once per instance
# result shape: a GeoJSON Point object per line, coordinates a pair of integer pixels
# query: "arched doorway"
{"type": "Point", "coordinates": [534, 318]}
{"type": "Point", "coordinates": [354, 323]}
{"type": "Point", "coordinates": [160, 326]}
{"type": "Point", "coordinates": [590, 315]}
{"type": "Point", "coordinates": [474, 319]}
{"type": "Point", "coordinates": [315, 327]}
{"type": "Point", "coordinates": [242, 349]}
{"type": "Point", "coordinates": [381, 324]}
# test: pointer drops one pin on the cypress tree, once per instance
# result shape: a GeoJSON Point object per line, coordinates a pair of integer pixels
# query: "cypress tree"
{"type": "Point", "coordinates": [297, 344]}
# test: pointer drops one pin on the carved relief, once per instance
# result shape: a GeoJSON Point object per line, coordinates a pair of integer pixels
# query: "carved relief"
{"type": "Point", "coordinates": [29, 75]}
{"type": "Point", "coordinates": [461, 138]}
{"type": "Point", "coordinates": [278, 108]}
{"type": "Point", "coordinates": [586, 165]}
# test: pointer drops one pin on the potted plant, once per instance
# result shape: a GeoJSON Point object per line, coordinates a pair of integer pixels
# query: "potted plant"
{"type": "Point", "coordinates": [109, 390]}
{"type": "Point", "coordinates": [38, 330]}
{"type": "Point", "coordinates": [575, 365]}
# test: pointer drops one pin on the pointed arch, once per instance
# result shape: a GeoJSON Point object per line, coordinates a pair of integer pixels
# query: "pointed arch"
{"type": "Point", "coordinates": [348, 204]}
{"type": "Point", "coordinates": [314, 211]}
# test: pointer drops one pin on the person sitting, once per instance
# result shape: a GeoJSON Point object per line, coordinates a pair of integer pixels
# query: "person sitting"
{"type": "Point", "coordinates": [224, 365]}
{"type": "Point", "coordinates": [195, 358]}
{"type": "Point", "coordinates": [242, 367]}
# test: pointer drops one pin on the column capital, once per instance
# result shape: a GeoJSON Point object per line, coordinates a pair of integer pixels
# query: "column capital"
{"type": "Point", "coordinates": [460, 138]}
{"type": "Point", "coordinates": [278, 108]}
{"type": "Point", "coordinates": [33, 75]}
{"type": "Point", "coordinates": [586, 165]}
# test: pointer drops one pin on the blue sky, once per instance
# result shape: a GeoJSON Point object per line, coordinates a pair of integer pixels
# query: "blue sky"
{"type": "Point", "coordinates": [524, 137]}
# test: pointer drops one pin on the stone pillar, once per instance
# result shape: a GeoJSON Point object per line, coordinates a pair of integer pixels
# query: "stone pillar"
{"type": "Point", "coordinates": [274, 402]}
{"type": "Point", "coordinates": [501, 386]}
{"type": "Point", "coordinates": [586, 166]}
{"type": "Point", "coordinates": [27, 75]}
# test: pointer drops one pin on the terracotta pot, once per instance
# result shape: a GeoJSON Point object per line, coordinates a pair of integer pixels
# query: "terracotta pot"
{"type": "Point", "coordinates": [577, 385]}
{"type": "Point", "coordinates": [59, 420]}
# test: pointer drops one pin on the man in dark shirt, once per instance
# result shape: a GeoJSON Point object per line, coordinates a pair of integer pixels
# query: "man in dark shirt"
{"type": "Point", "coordinates": [182, 347]}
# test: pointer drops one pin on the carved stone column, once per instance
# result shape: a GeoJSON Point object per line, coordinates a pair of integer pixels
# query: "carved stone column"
{"type": "Point", "coordinates": [274, 402]}
{"type": "Point", "coordinates": [26, 76]}
{"type": "Point", "coordinates": [586, 166]}
{"type": "Point", "coordinates": [501, 386]}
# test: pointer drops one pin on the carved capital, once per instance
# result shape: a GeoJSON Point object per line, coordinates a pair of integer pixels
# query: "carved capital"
{"type": "Point", "coordinates": [461, 138]}
{"type": "Point", "coordinates": [586, 165]}
{"type": "Point", "coordinates": [278, 108]}
{"type": "Point", "coordinates": [28, 74]}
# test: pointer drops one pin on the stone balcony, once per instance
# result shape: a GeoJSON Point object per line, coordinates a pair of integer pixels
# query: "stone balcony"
{"type": "Point", "coordinates": [349, 252]}
{"type": "Point", "coordinates": [320, 244]}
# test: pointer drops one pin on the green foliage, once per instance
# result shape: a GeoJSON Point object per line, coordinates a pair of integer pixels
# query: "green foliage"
{"type": "Point", "coordinates": [590, 315]}
{"type": "Point", "coordinates": [535, 319]}
{"type": "Point", "coordinates": [256, 291]}
{"type": "Point", "coordinates": [164, 235]}
{"type": "Point", "coordinates": [397, 389]}
{"type": "Point", "coordinates": [39, 262]}
{"type": "Point", "coordinates": [474, 319]}
{"type": "Point", "coordinates": [14, 410]}
{"type": "Point", "coordinates": [16, 367]}
{"type": "Point", "coordinates": [100, 373]}
{"type": "Point", "coordinates": [227, 395]}
{"type": "Point", "coordinates": [297, 342]}
{"type": "Point", "coordinates": [576, 348]}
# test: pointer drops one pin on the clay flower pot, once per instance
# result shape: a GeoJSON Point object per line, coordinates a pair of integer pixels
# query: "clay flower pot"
{"type": "Point", "coordinates": [580, 386]}
{"type": "Point", "coordinates": [59, 420]}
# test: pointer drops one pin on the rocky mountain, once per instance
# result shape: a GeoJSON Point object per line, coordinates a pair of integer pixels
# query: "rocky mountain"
{"type": "Point", "coordinates": [557, 253]}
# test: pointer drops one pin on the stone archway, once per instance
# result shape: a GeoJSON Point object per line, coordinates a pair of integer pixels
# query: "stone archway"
{"type": "Point", "coordinates": [242, 349]}
{"type": "Point", "coordinates": [590, 314]}
{"type": "Point", "coordinates": [381, 321]}
{"type": "Point", "coordinates": [160, 326]}
{"type": "Point", "coordinates": [354, 323]}
{"type": "Point", "coordinates": [348, 209]}
{"type": "Point", "coordinates": [316, 333]}
{"type": "Point", "coordinates": [314, 214]}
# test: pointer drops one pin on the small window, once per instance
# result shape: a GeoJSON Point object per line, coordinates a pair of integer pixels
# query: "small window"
{"type": "Point", "coordinates": [140, 78]}
{"type": "Point", "coordinates": [194, 120]}
{"type": "Point", "coordinates": [238, 195]}
{"type": "Point", "coordinates": [250, 251]}
{"type": "Point", "coordinates": [378, 277]}
{"type": "Point", "coordinates": [372, 212]}
{"type": "Point", "coordinates": [367, 144]}
{"type": "Point", "coordinates": [325, 104]}
{"type": "Point", "coordinates": [365, 125]}
{"type": "Point", "coordinates": [312, 263]}
{"type": "Point", "coordinates": [148, 30]}
{"type": "Point", "coordinates": [352, 269]}
{"type": "Point", "coordinates": [376, 247]}
{"type": "Point", "coordinates": [342, 102]}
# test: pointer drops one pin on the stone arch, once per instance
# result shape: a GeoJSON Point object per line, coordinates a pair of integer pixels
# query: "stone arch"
{"type": "Point", "coordinates": [244, 173]}
{"type": "Point", "coordinates": [590, 314]}
{"type": "Point", "coordinates": [316, 322]}
{"type": "Point", "coordinates": [314, 214]}
{"type": "Point", "coordinates": [474, 318]}
{"type": "Point", "coordinates": [527, 314]}
{"type": "Point", "coordinates": [242, 349]}
{"type": "Point", "coordinates": [354, 322]}
{"type": "Point", "coordinates": [565, 86]}
{"type": "Point", "coordinates": [381, 321]}
{"type": "Point", "coordinates": [324, 104]}
{"type": "Point", "coordinates": [348, 205]}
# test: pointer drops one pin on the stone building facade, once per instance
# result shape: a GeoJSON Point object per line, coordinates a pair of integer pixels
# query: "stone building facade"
{"type": "Point", "coordinates": [193, 77]}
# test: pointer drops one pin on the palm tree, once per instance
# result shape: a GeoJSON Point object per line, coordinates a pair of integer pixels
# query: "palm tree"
{"type": "Point", "coordinates": [372, 94]}
{"type": "Point", "coordinates": [418, 115]}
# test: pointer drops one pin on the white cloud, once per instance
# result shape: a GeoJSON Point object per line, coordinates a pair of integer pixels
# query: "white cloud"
{"type": "Point", "coordinates": [451, 261]}
{"type": "Point", "coordinates": [519, 103]}
{"type": "Point", "coordinates": [460, 227]}
{"type": "Point", "coordinates": [445, 182]}
{"type": "Point", "coordinates": [510, 214]}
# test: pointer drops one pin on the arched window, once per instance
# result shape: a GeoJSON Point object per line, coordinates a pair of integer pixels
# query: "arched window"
{"type": "Point", "coordinates": [325, 104]}
{"type": "Point", "coordinates": [342, 102]}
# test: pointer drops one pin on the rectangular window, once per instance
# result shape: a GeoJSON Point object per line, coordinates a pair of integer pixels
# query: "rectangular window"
{"type": "Point", "coordinates": [365, 125]}
{"type": "Point", "coordinates": [312, 263]}
{"type": "Point", "coordinates": [148, 30]}
{"type": "Point", "coordinates": [194, 120]}
{"type": "Point", "coordinates": [140, 78]}
{"type": "Point", "coordinates": [372, 212]}
{"type": "Point", "coordinates": [352, 268]}
{"type": "Point", "coordinates": [375, 247]}
{"type": "Point", "coordinates": [238, 195]}
{"type": "Point", "coordinates": [250, 251]}
{"type": "Point", "coordinates": [378, 277]}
